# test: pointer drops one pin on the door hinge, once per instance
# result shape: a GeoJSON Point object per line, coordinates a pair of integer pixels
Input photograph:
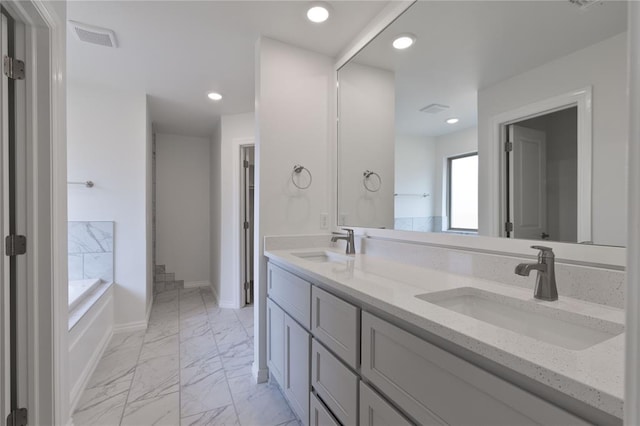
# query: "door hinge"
{"type": "Point", "coordinates": [246, 164]}
{"type": "Point", "coordinates": [15, 245]}
{"type": "Point", "coordinates": [246, 225]}
{"type": "Point", "coordinates": [508, 226]}
{"type": "Point", "coordinates": [13, 68]}
{"type": "Point", "coordinates": [17, 417]}
{"type": "Point", "coordinates": [508, 146]}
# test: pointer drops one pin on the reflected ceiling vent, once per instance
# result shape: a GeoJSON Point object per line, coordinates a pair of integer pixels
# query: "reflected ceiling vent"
{"type": "Point", "coordinates": [94, 35]}
{"type": "Point", "coordinates": [584, 4]}
{"type": "Point", "coordinates": [434, 108]}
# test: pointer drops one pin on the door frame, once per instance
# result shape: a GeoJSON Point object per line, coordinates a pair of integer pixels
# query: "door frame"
{"type": "Point", "coordinates": [243, 237]}
{"type": "Point", "coordinates": [582, 99]}
{"type": "Point", "coordinates": [238, 203]}
{"type": "Point", "coordinates": [42, 120]}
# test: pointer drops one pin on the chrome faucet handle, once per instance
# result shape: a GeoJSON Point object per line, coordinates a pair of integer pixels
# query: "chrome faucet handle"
{"type": "Point", "coordinates": [349, 231]}
{"type": "Point", "coordinates": [544, 251]}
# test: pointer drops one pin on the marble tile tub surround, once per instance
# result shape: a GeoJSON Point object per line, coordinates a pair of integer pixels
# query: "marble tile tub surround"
{"type": "Point", "coordinates": [591, 284]}
{"type": "Point", "coordinates": [192, 366]}
{"type": "Point", "coordinates": [90, 249]}
{"type": "Point", "coordinates": [594, 375]}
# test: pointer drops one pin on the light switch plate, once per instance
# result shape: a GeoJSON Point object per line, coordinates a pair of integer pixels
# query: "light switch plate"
{"type": "Point", "coordinates": [324, 221]}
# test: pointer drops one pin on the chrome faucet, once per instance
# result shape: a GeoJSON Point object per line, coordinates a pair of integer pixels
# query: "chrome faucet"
{"type": "Point", "coordinates": [349, 238]}
{"type": "Point", "coordinates": [546, 288]}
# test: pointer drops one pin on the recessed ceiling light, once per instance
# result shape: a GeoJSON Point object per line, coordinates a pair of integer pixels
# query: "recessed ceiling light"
{"type": "Point", "coordinates": [214, 96]}
{"type": "Point", "coordinates": [318, 12]}
{"type": "Point", "coordinates": [404, 41]}
{"type": "Point", "coordinates": [452, 120]}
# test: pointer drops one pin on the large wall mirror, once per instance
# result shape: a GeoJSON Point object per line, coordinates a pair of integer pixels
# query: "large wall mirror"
{"type": "Point", "coordinates": [502, 118]}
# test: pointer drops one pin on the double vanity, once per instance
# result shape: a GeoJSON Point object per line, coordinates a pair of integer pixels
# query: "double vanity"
{"type": "Point", "coordinates": [363, 339]}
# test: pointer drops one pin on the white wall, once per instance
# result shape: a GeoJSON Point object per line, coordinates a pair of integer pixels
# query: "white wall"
{"type": "Point", "coordinates": [107, 143]}
{"type": "Point", "coordinates": [450, 145]}
{"type": "Point", "coordinates": [215, 208]}
{"type": "Point", "coordinates": [603, 66]}
{"type": "Point", "coordinates": [295, 95]}
{"type": "Point", "coordinates": [415, 173]}
{"type": "Point", "coordinates": [182, 207]}
{"type": "Point", "coordinates": [235, 130]}
{"type": "Point", "coordinates": [149, 206]}
{"type": "Point", "coordinates": [367, 139]}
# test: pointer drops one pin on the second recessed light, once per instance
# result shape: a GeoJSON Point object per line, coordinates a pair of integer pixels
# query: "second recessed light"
{"type": "Point", "coordinates": [318, 12]}
{"type": "Point", "coordinates": [452, 120]}
{"type": "Point", "coordinates": [404, 41]}
{"type": "Point", "coordinates": [214, 96]}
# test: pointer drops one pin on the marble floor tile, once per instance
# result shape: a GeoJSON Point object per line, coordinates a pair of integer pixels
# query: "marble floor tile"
{"type": "Point", "coordinates": [103, 405]}
{"type": "Point", "coordinates": [232, 334]}
{"type": "Point", "coordinates": [237, 359]}
{"type": "Point", "coordinates": [194, 329]}
{"type": "Point", "coordinates": [203, 388]}
{"type": "Point", "coordinates": [162, 410]}
{"type": "Point", "coordinates": [222, 416]}
{"type": "Point", "coordinates": [198, 350]}
{"type": "Point", "coordinates": [155, 377]}
{"type": "Point", "coordinates": [166, 296]}
{"type": "Point", "coordinates": [160, 329]}
{"type": "Point", "coordinates": [259, 404]}
{"type": "Point", "coordinates": [160, 346]}
{"type": "Point", "coordinates": [114, 367]}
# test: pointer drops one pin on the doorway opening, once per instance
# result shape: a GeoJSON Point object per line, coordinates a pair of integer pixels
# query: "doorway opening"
{"type": "Point", "coordinates": [546, 169]}
{"type": "Point", "coordinates": [247, 193]}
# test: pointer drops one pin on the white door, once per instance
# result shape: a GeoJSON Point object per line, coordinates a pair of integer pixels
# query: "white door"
{"type": "Point", "coordinates": [528, 183]}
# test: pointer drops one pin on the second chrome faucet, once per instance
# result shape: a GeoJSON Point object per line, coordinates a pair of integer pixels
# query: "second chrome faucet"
{"type": "Point", "coordinates": [349, 238]}
{"type": "Point", "coordinates": [546, 288]}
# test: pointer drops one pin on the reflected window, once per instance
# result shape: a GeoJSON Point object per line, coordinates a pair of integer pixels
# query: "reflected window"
{"type": "Point", "coordinates": [463, 192]}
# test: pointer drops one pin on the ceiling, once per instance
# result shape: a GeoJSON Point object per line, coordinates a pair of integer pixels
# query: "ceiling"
{"type": "Point", "coordinates": [178, 51]}
{"type": "Point", "coordinates": [465, 46]}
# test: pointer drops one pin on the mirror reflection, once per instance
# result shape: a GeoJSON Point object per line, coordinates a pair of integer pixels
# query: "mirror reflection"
{"type": "Point", "coordinates": [494, 118]}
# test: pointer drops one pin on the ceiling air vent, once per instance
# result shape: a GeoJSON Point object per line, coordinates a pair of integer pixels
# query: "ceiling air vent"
{"type": "Point", "coordinates": [94, 35]}
{"type": "Point", "coordinates": [434, 108]}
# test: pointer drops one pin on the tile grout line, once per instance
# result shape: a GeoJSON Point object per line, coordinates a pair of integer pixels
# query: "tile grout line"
{"type": "Point", "coordinates": [226, 377]}
{"type": "Point", "coordinates": [126, 402]}
{"type": "Point", "coordinates": [179, 360]}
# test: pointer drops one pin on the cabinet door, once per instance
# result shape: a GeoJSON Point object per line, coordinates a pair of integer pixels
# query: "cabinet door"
{"type": "Point", "coordinates": [292, 293]}
{"type": "Point", "coordinates": [319, 414]}
{"type": "Point", "coordinates": [275, 341]}
{"type": "Point", "coordinates": [297, 368]}
{"type": "Point", "coordinates": [375, 411]}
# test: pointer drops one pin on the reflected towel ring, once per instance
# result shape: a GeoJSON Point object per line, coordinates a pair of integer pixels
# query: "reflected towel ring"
{"type": "Point", "coordinates": [297, 169]}
{"type": "Point", "coordinates": [366, 182]}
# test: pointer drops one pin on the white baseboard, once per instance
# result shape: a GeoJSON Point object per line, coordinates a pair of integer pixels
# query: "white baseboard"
{"type": "Point", "coordinates": [215, 293]}
{"type": "Point", "coordinates": [130, 327]}
{"type": "Point", "coordinates": [227, 304]}
{"type": "Point", "coordinates": [194, 284]}
{"type": "Point", "coordinates": [82, 383]}
{"type": "Point", "coordinates": [260, 374]}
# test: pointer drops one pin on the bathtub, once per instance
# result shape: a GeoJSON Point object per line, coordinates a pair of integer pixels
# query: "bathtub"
{"type": "Point", "coordinates": [80, 289]}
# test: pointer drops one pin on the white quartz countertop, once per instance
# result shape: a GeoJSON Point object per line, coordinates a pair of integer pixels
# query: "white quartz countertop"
{"type": "Point", "coordinates": [594, 375]}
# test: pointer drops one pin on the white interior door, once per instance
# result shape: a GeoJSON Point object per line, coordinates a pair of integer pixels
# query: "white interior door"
{"type": "Point", "coordinates": [527, 189]}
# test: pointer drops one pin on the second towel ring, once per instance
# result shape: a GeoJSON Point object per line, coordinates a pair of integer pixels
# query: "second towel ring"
{"type": "Point", "coordinates": [297, 169]}
{"type": "Point", "coordinates": [366, 182]}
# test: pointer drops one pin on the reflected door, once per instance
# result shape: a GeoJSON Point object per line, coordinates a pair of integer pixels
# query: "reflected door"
{"type": "Point", "coordinates": [527, 183]}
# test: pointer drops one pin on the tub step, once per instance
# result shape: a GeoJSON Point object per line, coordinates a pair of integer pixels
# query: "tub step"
{"type": "Point", "coordinates": [159, 269]}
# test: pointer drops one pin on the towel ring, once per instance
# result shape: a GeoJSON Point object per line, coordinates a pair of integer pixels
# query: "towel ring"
{"type": "Point", "coordinates": [366, 181]}
{"type": "Point", "coordinates": [297, 169]}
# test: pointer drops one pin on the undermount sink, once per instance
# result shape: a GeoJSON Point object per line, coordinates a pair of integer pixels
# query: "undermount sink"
{"type": "Point", "coordinates": [528, 317]}
{"type": "Point", "coordinates": [322, 256]}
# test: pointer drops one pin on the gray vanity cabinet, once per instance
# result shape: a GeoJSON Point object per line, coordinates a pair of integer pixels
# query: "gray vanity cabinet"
{"type": "Point", "coordinates": [434, 387]}
{"type": "Point", "coordinates": [292, 293]}
{"type": "Point", "coordinates": [319, 415]}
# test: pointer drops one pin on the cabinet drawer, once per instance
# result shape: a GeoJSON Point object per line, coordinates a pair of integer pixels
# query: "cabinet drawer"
{"type": "Point", "coordinates": [319, 414]}
{"type": "Point", "coordinates": [335, 323]}
{"type": "Point", "coordinates": [292, 293]}
{"type": "Point", "coordinates": [426, 382]}
{"type": "Point", "coordinates": [375, 411]}
{"type": "Point", "coordinates": [335, 384]}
